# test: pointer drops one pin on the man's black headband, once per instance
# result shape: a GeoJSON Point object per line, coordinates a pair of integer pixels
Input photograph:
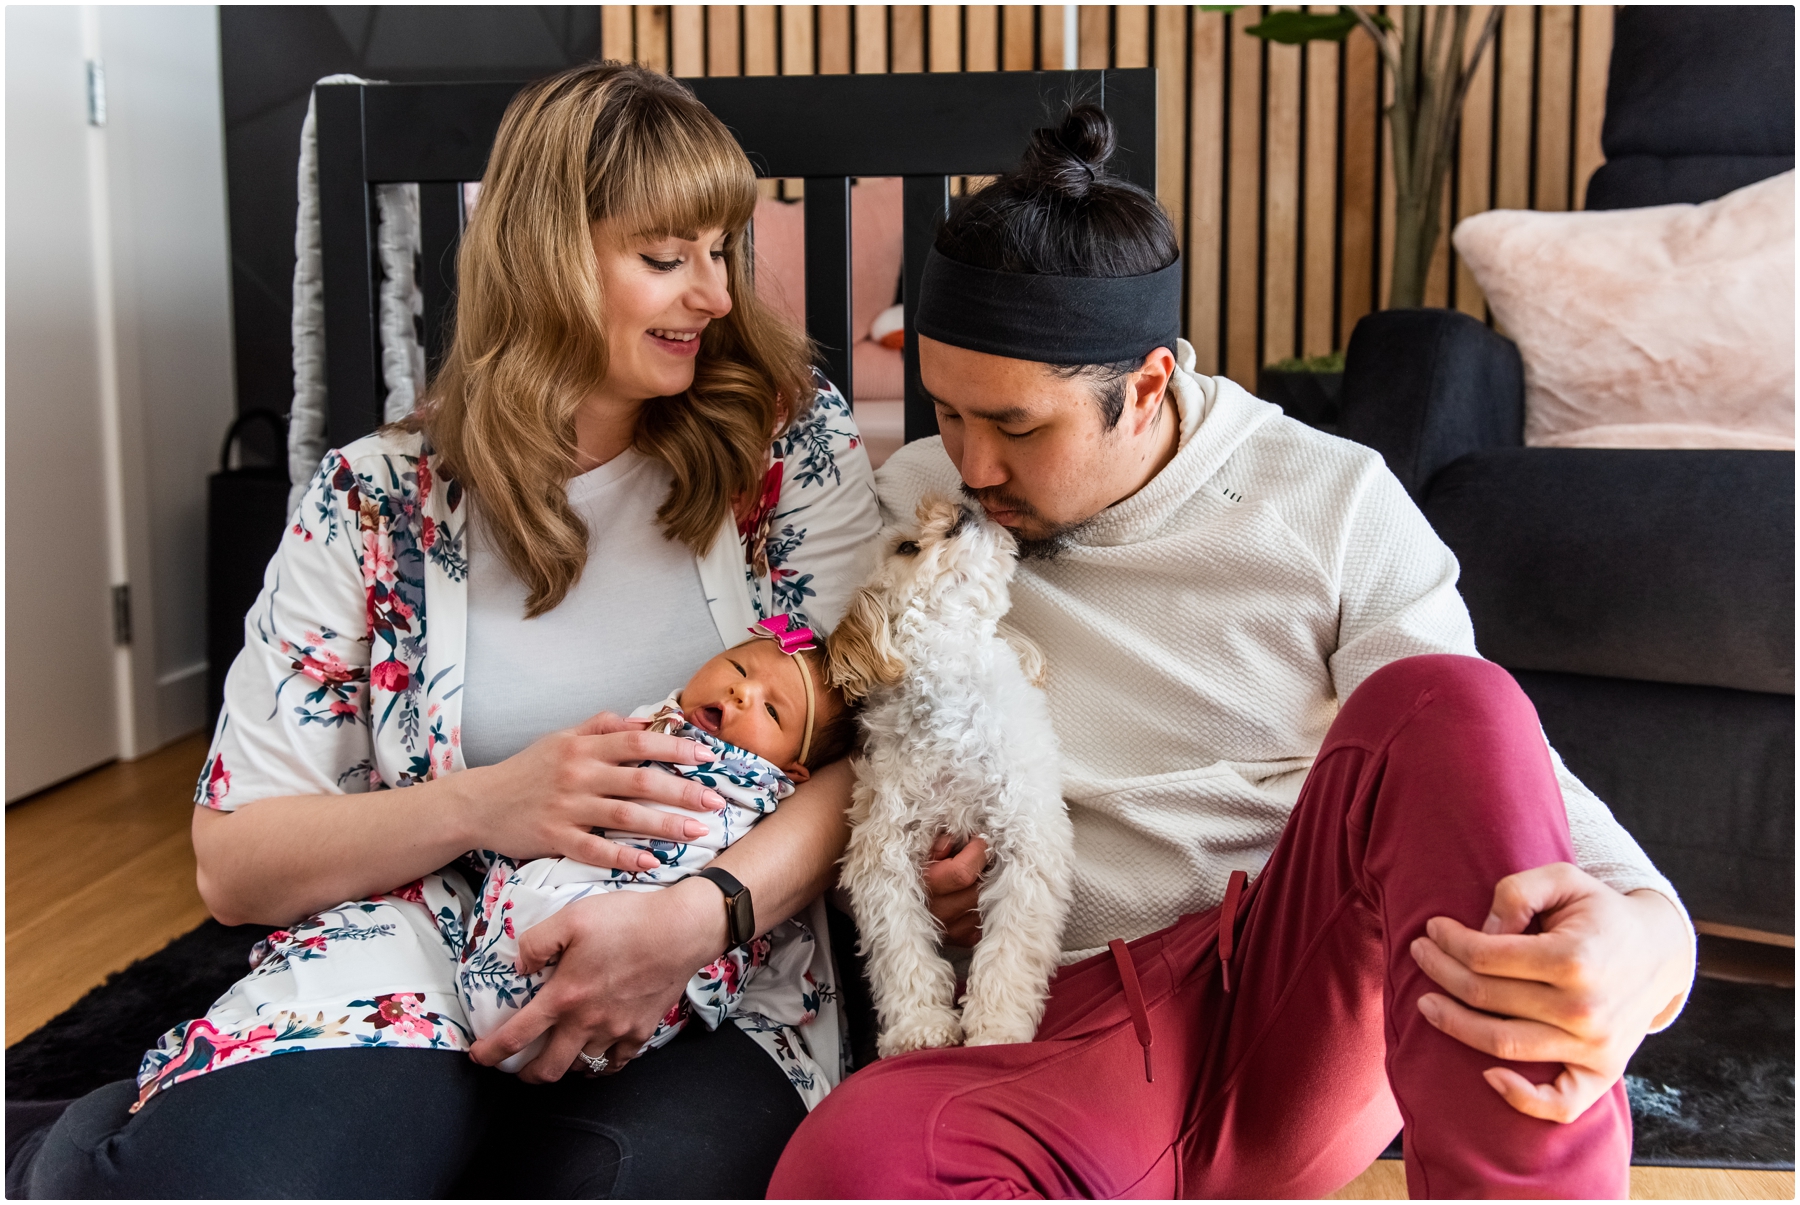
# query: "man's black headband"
{"type": "Point", "coordinates": [1051, 319]}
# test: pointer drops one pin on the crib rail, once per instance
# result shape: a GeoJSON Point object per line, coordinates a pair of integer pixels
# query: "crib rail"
{"type": "Point", "coordinates": [826, 129]}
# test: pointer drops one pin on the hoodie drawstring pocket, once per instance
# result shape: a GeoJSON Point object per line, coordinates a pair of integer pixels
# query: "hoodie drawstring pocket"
{"type": "Point", "coordinates": [1234, 890]}
{"type": "Point", "coordinates": [1134, 1000]}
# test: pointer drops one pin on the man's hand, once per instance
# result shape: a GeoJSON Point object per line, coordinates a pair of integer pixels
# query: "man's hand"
{"type": "Point", "coordinates": [953, 888]}
{"type": "Point", "coordinates": [1601, 970]}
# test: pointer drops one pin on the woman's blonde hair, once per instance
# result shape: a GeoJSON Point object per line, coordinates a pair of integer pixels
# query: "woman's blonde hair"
{"type": "Point", "coordinates": [602, 141]}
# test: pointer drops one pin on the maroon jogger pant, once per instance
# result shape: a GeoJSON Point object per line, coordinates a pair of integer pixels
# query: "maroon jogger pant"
{"type": "Point", "coordinates": [1432, 785]}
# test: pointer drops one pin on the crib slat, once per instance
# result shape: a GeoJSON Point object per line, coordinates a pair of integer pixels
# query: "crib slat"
{"type": "Point", "coordinates": [347, 243]}
{"type": "Point", "coordinates": [828, 304]}
{"type": "Point", "coordinates": [440, 232]}
{"type": "Point", "coordinates": [811, 126]}
{"type": "Point", "coordinates": [924, 200]}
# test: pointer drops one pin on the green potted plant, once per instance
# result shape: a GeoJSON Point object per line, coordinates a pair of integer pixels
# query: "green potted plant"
{"type": "Point", "coordinates": [1305, 388]}
{"type": "Point", "coordinates": [1429, 76]}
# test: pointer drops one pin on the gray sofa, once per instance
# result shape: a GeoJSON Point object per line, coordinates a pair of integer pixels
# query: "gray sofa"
{"type": "Point", "coordinates": [1643, 599]}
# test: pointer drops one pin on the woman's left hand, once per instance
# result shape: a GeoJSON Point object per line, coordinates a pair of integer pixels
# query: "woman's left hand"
{"type": "Point", "coordinates": [1602, 970]}
{"type": "Point", "coordinates": [622, 958]}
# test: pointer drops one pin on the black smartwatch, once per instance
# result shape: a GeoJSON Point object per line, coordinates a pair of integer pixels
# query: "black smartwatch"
{"type": "Point", "coordinates": [740, 916]}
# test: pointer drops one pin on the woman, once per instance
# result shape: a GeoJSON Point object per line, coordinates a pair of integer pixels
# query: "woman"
{"type": "Point", "coordinates": [586, 507]}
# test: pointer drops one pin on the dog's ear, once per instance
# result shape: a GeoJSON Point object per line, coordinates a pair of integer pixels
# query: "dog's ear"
{"type": "Point", "coordinates": [1031, 658]}
{"type": "Point", "coordinates": [860, 650]}
{"type": "Point", "coordinates": [936, 514]}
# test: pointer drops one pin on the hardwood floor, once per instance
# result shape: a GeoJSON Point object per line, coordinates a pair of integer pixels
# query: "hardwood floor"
{"type": "Point", "coordinates": [99, 873]}
{"type": "Point", "coordinates": [1386, 1181]}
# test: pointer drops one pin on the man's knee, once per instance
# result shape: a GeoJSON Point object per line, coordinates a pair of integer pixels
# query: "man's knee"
{"type": "Point", "coordinates": [865, 1140]}
{"type": "Point", "coordinates": [1471, 687]}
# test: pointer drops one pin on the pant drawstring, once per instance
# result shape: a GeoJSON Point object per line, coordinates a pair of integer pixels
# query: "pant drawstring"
{"type": "Point", "coordinates": [1234, 890]}
{"type": "Point", "coordinates": [1134, 1000]}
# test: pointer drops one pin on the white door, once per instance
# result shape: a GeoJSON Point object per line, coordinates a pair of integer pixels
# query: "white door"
{"type": "Point", "coordinates": [60, 660]}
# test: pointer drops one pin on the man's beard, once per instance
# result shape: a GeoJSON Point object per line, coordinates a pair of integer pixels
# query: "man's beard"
{"type": "Point", "coordinates": [1046, 547]}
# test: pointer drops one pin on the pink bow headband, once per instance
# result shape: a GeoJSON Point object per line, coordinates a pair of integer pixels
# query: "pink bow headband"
{"type": "Point", "coordinates": [793, 639]}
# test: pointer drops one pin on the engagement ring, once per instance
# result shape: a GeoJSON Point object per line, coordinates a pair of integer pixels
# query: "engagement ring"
{"type": "Point", "coordinates": [595, 1066]}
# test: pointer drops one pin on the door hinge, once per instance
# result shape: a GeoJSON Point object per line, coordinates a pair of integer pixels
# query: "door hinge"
{"type": "Point", "coordinates": [96, 92]}
{"type": "Point", "coordinates": [121, 598]}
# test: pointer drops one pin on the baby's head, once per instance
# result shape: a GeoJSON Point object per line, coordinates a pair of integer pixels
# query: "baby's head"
{"type": "Point", "coordinates": [760, 698]}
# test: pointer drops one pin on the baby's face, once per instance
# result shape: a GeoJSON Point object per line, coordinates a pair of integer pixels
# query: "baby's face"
{"type": "Point", "coordinates": [754, 697]}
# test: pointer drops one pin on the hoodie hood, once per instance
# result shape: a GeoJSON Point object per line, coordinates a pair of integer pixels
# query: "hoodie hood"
{"type": "Point", "coordinates": [1217, 416]}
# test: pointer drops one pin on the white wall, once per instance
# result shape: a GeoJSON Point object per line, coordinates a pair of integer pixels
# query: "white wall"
{"type": "Point", "coordinates": [119, 375]}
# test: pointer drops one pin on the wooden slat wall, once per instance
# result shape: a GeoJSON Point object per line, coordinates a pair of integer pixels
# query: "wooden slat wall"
{"type": "Point", "coordinates": [1273, 160]}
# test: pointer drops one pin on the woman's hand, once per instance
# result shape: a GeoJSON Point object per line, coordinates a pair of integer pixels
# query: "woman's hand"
{"type": "Point", "coordinates": [545, 800]}
{"type": "Point", "coordinates": [622, 958]}
{"type": "Point", "coordinates": [1603, 970]}
{"type": "Point", "coordinates": [953, 887]}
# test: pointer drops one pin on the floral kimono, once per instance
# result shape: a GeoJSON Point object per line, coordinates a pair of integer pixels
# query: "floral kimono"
{"type": "Point", "coordinates": [351, 679]}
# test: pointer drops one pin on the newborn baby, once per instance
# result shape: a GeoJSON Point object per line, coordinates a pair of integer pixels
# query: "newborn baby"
{"type": "Point", "coordinates": [765, 710]}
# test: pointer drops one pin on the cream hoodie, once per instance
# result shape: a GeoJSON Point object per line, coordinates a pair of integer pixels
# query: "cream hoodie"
{"type": "Point", "coordinates": [1200, 636]}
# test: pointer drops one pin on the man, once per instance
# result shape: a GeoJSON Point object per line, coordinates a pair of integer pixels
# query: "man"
{"type": "Point", "coordinates": [1258, 668]}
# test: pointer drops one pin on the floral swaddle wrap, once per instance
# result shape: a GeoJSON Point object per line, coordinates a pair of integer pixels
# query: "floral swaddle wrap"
{"type": "Point", "coordinates": [515, 897]}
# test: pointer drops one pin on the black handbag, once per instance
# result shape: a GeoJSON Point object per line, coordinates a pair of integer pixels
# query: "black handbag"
{"type": "Point", "coordinates": [246, 511]}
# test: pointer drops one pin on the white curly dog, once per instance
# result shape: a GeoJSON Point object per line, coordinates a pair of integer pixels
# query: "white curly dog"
{"type": "Point", "coordinates": [958, 741]}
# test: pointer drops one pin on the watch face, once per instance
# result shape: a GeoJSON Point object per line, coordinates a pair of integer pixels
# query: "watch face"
{"type": "Point", "coordinates": [743, 920]}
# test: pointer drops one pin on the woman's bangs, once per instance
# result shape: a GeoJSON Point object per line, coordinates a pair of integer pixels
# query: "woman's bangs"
{"type": "Point", "coordinates": [683, 183]}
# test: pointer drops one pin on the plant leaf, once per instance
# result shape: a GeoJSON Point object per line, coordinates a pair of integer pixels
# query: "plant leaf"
{"type": "Point", "coordinates": [1292, 28]}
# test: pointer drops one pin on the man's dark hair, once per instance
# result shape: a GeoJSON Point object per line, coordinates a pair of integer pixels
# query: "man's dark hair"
{"type": "Point", "coordinates": [1061, 213]}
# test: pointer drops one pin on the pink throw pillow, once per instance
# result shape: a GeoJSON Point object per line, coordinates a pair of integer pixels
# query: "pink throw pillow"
{"type": "Point", "coordinates": [1665, 327]}
{"type": "Point", "coordinates": [880, 371]}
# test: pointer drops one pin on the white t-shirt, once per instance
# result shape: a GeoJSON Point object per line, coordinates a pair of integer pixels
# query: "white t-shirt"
{"type": "Point", "coordinates": [633, 628]}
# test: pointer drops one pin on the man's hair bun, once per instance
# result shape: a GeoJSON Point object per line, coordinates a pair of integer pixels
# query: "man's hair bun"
{"type": "Point", "coordinates": [1071, 157]}
{"type": "Point", "coordinates": [1062, 213]}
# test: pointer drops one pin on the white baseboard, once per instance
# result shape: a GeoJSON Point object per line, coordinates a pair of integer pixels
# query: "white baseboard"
{"type": "Point", "coordinates": [180, 703]}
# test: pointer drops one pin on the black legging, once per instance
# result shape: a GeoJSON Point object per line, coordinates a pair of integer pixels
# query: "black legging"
{"type": "Point", "coordinates": [705, 1116]}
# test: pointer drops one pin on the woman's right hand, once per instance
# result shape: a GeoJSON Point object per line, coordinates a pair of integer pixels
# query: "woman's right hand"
{"type": "Point", "coordinates": [545, 800]}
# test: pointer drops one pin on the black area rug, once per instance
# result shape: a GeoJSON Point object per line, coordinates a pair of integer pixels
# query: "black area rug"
{"type": "Point", "coordinates": [1715, 1090]}
{"type": "Point", "coordinates": [103, 1035]}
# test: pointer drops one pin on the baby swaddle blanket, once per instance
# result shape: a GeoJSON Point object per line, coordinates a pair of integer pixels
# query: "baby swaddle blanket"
{"type": "Point", "coordinates": [514, 897]}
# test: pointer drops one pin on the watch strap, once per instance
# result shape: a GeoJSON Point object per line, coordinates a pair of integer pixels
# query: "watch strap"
{"type": "Point", "coordinates": [740, 914]}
